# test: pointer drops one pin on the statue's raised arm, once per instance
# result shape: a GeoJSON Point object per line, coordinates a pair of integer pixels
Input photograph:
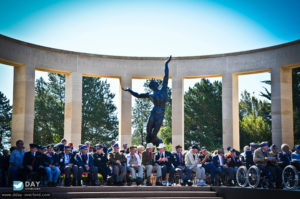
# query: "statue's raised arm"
{"type": "Point", "coordinates": [166, 77]}
{"type": "Point", "coordinates": [138, 95]}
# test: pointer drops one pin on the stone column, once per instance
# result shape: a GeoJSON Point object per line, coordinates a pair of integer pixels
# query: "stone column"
{"type": "Point", "coordinates": [73, 104]}
{"type": "Point", "coordinates": [230, 111]}
{"type": "Point", "coordinates": [125, 112]}
{"type": "Point", "coordinates": [177, 112]}
{"type": "Point", "coordinates": [23, 104]}
{"type": "Point", "coordinates": [282, 106]}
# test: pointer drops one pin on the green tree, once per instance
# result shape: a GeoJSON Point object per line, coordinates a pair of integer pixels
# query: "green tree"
{"type": "Point", "coordinates": [203, 115]}
{"type": "Point", "coordinates": [255, 119]}
{"type": "Point", "coordinates": [249, 104]}
{"type": "Point", "coordinates": [99, 120]}
{"type": "Point", "coordinates": [5, 121]}
{"type": "Point", "coordinates": [49, 109]}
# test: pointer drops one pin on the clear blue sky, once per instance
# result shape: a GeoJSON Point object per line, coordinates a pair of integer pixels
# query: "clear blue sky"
{"type": "Point", "coordinates": [151, 28]}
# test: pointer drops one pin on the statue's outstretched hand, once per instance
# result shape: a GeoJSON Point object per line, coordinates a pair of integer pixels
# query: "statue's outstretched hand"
{"type": "Point", "coordinates": [169, 59]}
{"type": "Point", "coordinates": [125, 89]}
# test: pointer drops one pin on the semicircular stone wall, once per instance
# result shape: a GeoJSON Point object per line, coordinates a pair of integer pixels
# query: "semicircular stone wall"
{"type": "Point", "coordinates": [26, 58]}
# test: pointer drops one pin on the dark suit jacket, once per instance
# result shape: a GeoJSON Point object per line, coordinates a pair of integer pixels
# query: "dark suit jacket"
{"type": "Point", "coordinates": [216, 161]}
{"type": "Point", "coordinates": [176, 160]}
{"type": "Point", "coordinates": [168, 155]}
{"type": "Point", "coordinates": [61, 159]}
{"type": "Point", "coordinates": [249, 159]}
{"type": "Point", "coordinates": [285, 158]}
{"type": "Point", "coordinates": [79, 160]}
{"type": "Point", "coordinates": [100, 160]}
{"type": "Point", "coordinates": [29, 159]}
{"type": "Point", "coordinates": [52, 160]}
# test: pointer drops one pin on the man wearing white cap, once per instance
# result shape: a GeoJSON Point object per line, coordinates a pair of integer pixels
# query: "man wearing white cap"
{"type": "Point", "coordinates": [148, 162]}
{"type": "Point", "coordinates": [165, 160]}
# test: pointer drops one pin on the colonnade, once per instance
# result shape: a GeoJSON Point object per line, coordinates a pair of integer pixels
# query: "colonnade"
{"type": "Point", "coordinates": [26, 58]}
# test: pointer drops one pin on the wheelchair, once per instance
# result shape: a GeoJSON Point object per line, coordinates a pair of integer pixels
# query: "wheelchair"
{"type": "Point", "coordinates": [241, 176]}
{"type": "Point", "coordinates": [258, 177]}
{"type": "Point", "coordinates": [290, 175]}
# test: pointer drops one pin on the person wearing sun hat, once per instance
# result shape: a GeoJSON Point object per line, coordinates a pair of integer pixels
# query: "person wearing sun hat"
{"type": "Point", "coordinates": [118, 162]}
{"type": "Point", "coordinates": [148, 162]}
{"type": "Point", "coordinates": [165, 160]}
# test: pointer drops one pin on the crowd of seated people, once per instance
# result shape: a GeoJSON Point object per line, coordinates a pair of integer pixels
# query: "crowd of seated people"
{"type": "Point", "coordinates": [137, 164]}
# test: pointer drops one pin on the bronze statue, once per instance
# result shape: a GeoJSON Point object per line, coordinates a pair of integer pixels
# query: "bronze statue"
{"type": "Point", "coordinates": [159, 98]}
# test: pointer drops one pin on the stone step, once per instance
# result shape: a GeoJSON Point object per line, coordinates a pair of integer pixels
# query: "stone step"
{"type": "Point", "coordinates": [123, 188]}
{"type": "Point", "coordinates": [116, 188]}
{"type": "Point", "coordinates": [135, 194]}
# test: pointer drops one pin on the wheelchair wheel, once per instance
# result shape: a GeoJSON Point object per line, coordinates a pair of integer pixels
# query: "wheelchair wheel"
{"type": "Point", "coordinates": [253, 176]}
{"type": "Point", "coordinates": [290, 177]}
{"type": "Point", "coordinates": [241, 176]}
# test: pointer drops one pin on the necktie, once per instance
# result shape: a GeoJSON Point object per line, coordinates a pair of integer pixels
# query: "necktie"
{"type": "Point", "coordinates": [150, 154]}
{"type": "Point", "coordinates": [194, 157]}
{"type": "Point", "coordinates": [180, 159]}
{"type": "Point", "coordinates": [84, 158]}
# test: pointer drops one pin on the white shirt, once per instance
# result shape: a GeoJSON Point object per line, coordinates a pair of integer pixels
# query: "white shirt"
{"type": "Point", "coordinates": [67, 158]}
{"type": "Point", "coordinates": [221, 160]}
{"type": "Point", "coordinates": [162, 154]}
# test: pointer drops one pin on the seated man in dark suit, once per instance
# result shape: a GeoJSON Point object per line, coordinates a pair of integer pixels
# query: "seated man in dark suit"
{"type": "Point", "coordinates": [100, 161]}
{"type": "Point", "coordinates": [221, 163]}
{"type": "Point", "coordinates": [85, 163]}
{"type": "Point", "coordinates": [66, 163]}
{"type": "Point", "coordinates": [30, 163]}
{"type": "Point", "coordinates": [179, 164]}
{"type": "Point", "coordinates": [42, 160]}
{"type": "Point", "coordinates": [165, 160]}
